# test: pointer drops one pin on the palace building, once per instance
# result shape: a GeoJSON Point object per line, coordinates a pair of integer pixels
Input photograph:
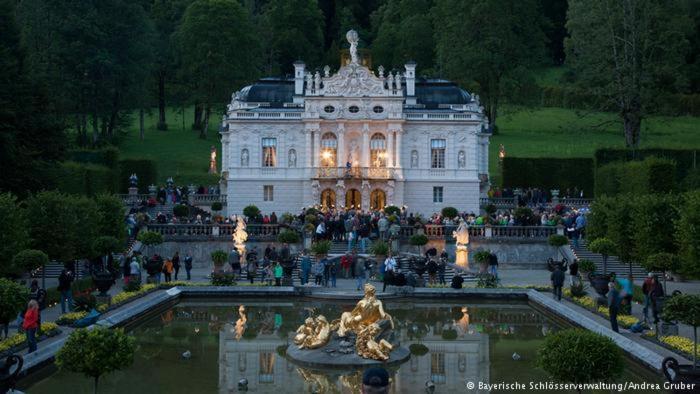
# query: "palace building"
{"type": "Point", "coordinates": [356, 139]}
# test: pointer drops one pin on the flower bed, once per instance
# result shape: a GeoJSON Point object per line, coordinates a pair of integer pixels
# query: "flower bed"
{"type": "Point", "coordinates": [18, 341]}
{"type": "Point", "coordinates": [625, 321]}
{"type": "Point", "coordinates": [69, 318]}
{"type": "Point", "coordinates": [681, 345]}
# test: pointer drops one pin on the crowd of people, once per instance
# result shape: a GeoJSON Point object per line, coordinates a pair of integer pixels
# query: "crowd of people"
{"type": "Point", "coordinates": [533, 196]}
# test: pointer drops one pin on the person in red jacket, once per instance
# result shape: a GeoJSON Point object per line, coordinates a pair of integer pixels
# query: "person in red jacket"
{"type": "Point", "coordinates": [31, 324]}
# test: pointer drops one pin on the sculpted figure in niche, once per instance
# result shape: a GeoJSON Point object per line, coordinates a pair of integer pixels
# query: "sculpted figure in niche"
{"type": "Point", "coordinates": [461, 159]}
{"type": "Point", "coordinates": [353, 155]}
{"type": "Point", "coordinates": [244, 158]}
{"type": "Point", "coordinates": [292, 158]}
{"type": "Point", "coordinates": [414, 159]}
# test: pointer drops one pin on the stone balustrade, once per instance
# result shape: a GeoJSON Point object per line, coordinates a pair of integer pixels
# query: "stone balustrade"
{"type": "Point", "coordinates": [182, 232]}
{"type": "Point", "coordinates": [194, 199]}
{"type": "Point", "coordinates": [355, 173]}
{"type": "Point", "coordinates": [512, 202]}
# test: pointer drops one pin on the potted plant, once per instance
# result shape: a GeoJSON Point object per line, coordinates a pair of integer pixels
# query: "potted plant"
{"type": "Point", "coordinates": [321, 248]}
{"type": "Point", "coordinates": [685, 308]}
{"type": "Point", "coordinates": [217, 206]}
{"type": "Point", "coordinates": [586, 267]}
{"type": "Point", "coordinates": [557, 240]}
{"type": "Point", "coordinates": [418, 240]}
{"type": "Point", "coordinates": [390, 210]}
{"type": "Point", "coordinates": [96, 352]}
{"type": "Point", "coordinates": [219, 257]}
{"type": "Point", "coordinates": [662, 262]}
{"type": "Point", "coordinates": [104, 279]}
{"type": "Point", "coordinates": [288, 237]}
{"type": "Point", "coordinates": [150, 239]}
{"type": "Point", "coordinates": [481, 257]}
{"type": "Point", "coordinates": [449, 212]}
{"type": "Point", "coordinates": [181, 211]}
{"type": "Point", "coordinates": [251, 212]}
{"type": "Point", "coordinates": [578, 356]}
{"type": "Point", "coordinates": [380, 250]}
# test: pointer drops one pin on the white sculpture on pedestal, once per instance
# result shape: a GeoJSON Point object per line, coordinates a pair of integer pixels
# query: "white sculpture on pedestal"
{"type": "Point", "coordinates": [462, 237]}
{"type": "Point", "coordinates": [240, 236]}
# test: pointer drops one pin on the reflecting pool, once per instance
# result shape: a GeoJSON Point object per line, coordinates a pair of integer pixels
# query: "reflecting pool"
{"type": "Point", "coordinates": [208, 346]}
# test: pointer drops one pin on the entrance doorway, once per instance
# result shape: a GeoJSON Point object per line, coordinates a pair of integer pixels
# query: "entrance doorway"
{"type": "Point", "coordinates": [353, 199]}
{"type": "Point", "coordinates": [327, 199]}
{"type": "Point", "coordinates": [377, 200]}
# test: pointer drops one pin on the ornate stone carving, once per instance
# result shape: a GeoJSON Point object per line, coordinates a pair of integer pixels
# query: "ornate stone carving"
{"type": "Point", "coordinates": [244, 158]}
{"type": "Point", "coordinates": [461, 159]}
{"type": "Point", "coordinates": [315, 191]}
{"type": "Point", "coordinates": [353, 80]}
{"type": "Point", "coordinates": [292, 158]}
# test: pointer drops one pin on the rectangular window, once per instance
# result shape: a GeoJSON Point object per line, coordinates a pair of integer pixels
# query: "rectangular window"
{"type": "Point", "coordinates": [437, 368]}
{"type": "Point", "coordinates": [437, 194]}
{"type": "Point", "coordinates": [269, 150]}
{"type": "Point", "coordinates": [437, 153]}
{"type": "Point", "coordinates": [268, 193]}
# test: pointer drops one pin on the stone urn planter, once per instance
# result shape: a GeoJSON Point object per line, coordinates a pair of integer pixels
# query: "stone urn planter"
{"type": "Point", "coordinates": [103, 281]}
{"type": "Point", "coordinates": [599, 282]}
{"type": "Point", "coordinates": [8, 376]}
{"type": "Point", "coordinates": [682, 376]}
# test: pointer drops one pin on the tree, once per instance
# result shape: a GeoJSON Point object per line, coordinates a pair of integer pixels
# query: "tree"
{"type": "Point", "coordinates": [13, 300]}
{"type": "Point", "coordinates": [32, 138]}
{"type": "Point", "coordinates": [578, 356]}
{"type": "Point", "coordinates": [55, 224]}
{"type": "Point", "coordinates": [218, 51]}
{"type": "Point", "coordinates": [251, 212]}
{"type": "Point", "coordinates": [105, 245]}
{"type": "Point", "coordinates": [403, 31]}
{"type": "Point", "coordinates": [30, 259]}
{"type": "Point", "coordinates": [295, 32]}
{"type": "Point", "coordinates": [150, 238]}
{"type": "Point", "coordinates": [649, 213]}
{"type": "Point", "coordinates": [628, 52]}
{"type": "Point", "coordinates": [605, 247]}
{"type": "Point", "coordinates": [96, 352]}
{"type": "Point", "coordinates": [490, 42]}
{"type": "Point", "coordinates": [110, 216]}
{"type": "Point", "coordinates": [686, 309]}
{"type": "Point", "coordinates": [14, 235]}
{"type": "Point", "coordinates": [94, 55]}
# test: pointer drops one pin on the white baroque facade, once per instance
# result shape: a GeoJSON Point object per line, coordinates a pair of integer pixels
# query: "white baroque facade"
{"type": "Point", "coordinates": [354, 139]}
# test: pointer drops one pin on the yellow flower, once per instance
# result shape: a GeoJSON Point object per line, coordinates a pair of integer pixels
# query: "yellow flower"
{"type": "Point", "coordinates": [679, 343]}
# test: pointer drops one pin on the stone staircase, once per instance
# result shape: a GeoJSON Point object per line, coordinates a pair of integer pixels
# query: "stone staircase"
{"type": "Point", "coordinates": [341, 247]}
{"type": "Point", "coordinates": [54, 268]}
{"type": "Point", "coordinates": [614, 264]}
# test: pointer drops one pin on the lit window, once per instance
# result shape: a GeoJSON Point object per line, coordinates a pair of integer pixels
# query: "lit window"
{"type": "Point", "coordinates": [329, 149]}
{"type": "Point", "coordinates": [437, 153]}
{"type": "Point", "coordinates": [377, 149]}
{"type": "Point", "coordinates": [269, 147]}
{"type": "Point", "coordinates": [437, 194]}
{"type": "Point", "coordinates": [268, 193]}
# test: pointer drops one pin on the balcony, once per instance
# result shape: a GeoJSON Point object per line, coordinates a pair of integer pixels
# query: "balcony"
{"type": "Point", "coordinates": [354, 173]}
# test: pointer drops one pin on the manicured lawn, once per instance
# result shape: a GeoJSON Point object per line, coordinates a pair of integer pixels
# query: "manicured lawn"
{"type": "Point", "coordinates": [558, 132]}
{"type": "Point", "coordinates": [524, 132]}
{"type": "Point", "coordinates": [179, 152]}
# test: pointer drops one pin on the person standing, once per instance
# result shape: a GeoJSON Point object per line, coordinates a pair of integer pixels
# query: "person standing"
{"type": "Point", "coordinates": [31, 324]}
{"type": "Point", "coordinates": [64, 287]}
{"type": "Point", "coordinates": [627, 286]}
{"type": "Point", "coordinates": [656, 292]}
{"type": "Point", "coordinates": [493, 265]}
{"type": "Point", "coordinates": [168, 270]}
{"type": "Point", "coordinates": [557, 279]}
{"type": "Point", "coordinates": [135, 271]}
{"type": "Point", "coordinates": [345, 262]}
{"type": "Point", "coordinates": [234, 259]}
{"type": "Point", "coordinates": [573, 272]}
{"type": "Point", "coordinates": [305, 267]}
{"type": "Point", "coordinates": [176, 264]}
{"type": "Point", "coordinates": [432, 271]}
{"type": "Point", "coordinates": [389, 270]}
{"type": "Point", "coordinates": [613, 305]}
{"type": "Point", "coordinates": [38, 294]}
{"type": "Point", "coordinates": [278, 274]}
{"type": "Point", "coordinates": [188, 265]}
{"type": "Point", "coordinates": [251, 269]}
{"type": "Point", "coordinates": [361, 271]}
{"type": "Point", "coordinates": [333, 271]}
{"type": "Point", "coordinates": [442, 266]}
{"type": "Point", "coordinates": [326, 271]}
{"type": "Point", "coordinates": [318, 272]}
{"type": "Point", "coordinates": [579, 228]}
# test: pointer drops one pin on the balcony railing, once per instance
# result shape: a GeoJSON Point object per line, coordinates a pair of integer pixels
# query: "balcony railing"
{"type": "Point", "coordinates": [179, 232]}
{"type": "Point", "coordinates": [355, 173]}
{"type": "Point", "coordinates": [512, 202]}
{"type": "Point", "coordinates": [436, 231]}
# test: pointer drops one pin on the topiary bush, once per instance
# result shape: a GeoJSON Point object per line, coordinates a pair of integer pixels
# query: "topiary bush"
{"type": "Point", "coordinates": [482, 256]}
{"type": "Point", "coordinates": [605, 247]}
{"type": "Point", "coordinates": [30, 259]}
{"type": "Point", "coordinates": [418, 349]}
{"type": "Point", "coordinates": [251, 211]}
{"type": "Point", "coordinates": [392, 210]}
{"type": "Point", "coordinates": [449, 334]}
{"type": "Point", "coordinates": [579, 356]}
{"type": "Point", "coordinates": [586, 265]}
{"type": "Point", "coordinates": [288, 237]}
{"type": "Point", "coordinates": [223, 279]}
{"type": "Point", "coordinates": [96, 352]}
{"type": "Point", "coordinates": [418, 239]}
{"type": "Point", "coordinates": [150, 238]}
{"type": "Point", "coordinates": [310, 219]}
{"type": "Point", "coordinates": [219, 257]}
{"type": "Point", "coordinates": [450, 212]}
{"type": "Point", "coordinates": [685, 308]}
{"type": "Point", "coordinates": [524, 216]}
{"type": "Point", "coordinates": [321, 248]}
{"type": "Point", "coordinates": [557, 240]}
{"type": "Point", "coordinates": [490, 209]}
{"type": "Point", "coordinates": [217, 206]}
{"type": "Point", "coordinates": [487, 281]}
{"type": "Point", "coordinates": [105, 245]}
{"type": "Point", "coordinates": [181, 211]}
{"type": "Point", "coordinates": [13, 299]}
{"type": "Point", "coordinates": [380, 248]}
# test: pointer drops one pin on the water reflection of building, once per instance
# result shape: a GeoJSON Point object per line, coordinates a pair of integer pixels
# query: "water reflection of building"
{"type": "Point", "coordinates": [448, 363]}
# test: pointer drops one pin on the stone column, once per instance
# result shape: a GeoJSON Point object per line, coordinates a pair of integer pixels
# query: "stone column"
{"type": "Point", "coordinates": [390, 149]}
{"type": "Point", "coordinates": [317, 148]}
{"type": "Point", "coordinates": [365, 146]}
{"type": "Point", "coordinates": [397, 160]}
{"type": "Point", "coordinates": [307, 148]}
{"type": "Point", "coordinates": [341, 158]}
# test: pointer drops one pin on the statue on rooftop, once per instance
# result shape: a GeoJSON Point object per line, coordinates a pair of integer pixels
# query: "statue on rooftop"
{"type": "Point", "coordinates": [353, 38]}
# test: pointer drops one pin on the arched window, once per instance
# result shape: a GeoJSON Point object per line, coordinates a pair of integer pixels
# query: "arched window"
{"type": "Point", "coordinates": [377, 150]}
{"type": "Point", "coordinates": [269, 150]}
{"type": "Point", "coordinates": [329, 150]}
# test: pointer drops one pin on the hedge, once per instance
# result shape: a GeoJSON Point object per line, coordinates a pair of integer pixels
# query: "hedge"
{"type": "Point", "coordinates": [85, 179]}
{"type": "Point", "coordinates": [686, 159]}
{"type": "Point", "coordinates": [549, 173]}
{"type": "Point", "coordinates": [145, 169]}
{"type": "Point", "coordinates": [108, 156]}
{"type": "Point", "coordinates": [653, 175]}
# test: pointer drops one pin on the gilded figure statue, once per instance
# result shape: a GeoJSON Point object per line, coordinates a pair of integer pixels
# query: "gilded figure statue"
{"type": "Point", "coordinates": [367, 345]}
{"type": "Point", "coordinates": [313, 334]}
{"type": "Point", "coordinates": [369, 310]}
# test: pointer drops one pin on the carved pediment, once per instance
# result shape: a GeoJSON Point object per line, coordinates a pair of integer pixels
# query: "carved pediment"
{"type": "Point", "coordinates": [354, 80]}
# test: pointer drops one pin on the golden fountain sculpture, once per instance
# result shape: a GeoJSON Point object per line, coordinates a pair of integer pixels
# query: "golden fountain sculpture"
{"type": "Point", "coordinates": [365, 321]}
